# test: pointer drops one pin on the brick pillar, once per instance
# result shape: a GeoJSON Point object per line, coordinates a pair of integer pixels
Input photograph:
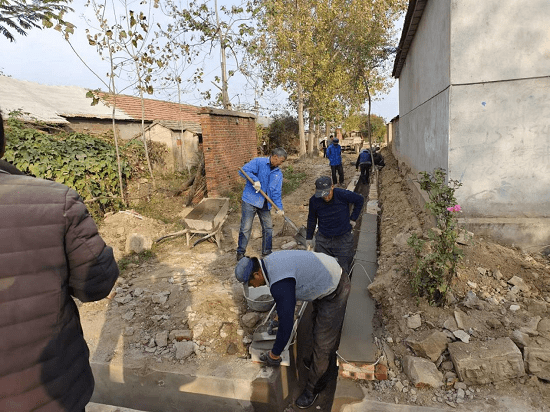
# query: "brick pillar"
{"type": "Point", "coordinates": [229, 141]}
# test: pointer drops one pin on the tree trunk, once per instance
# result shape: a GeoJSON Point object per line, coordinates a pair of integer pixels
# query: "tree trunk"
{"type": "Point", "coordinates": [225, 93]}
{"type": "Point", "coordinates": [301, 131]}
{"type": "Point", "coordinates": [113, 91]}
{"type": "Point", "coordinates": [143, 127]}
{"type": "Point", "coordinates": [311, 144]}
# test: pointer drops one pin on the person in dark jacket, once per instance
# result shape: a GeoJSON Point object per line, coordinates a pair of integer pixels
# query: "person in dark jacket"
{"type": "Point", "coordinates": [364, 162]}
{"type": "Point", "coordinates": [378, 158]}
{"type": "Point", "coordinates": [330, 209]}
{"type": "Point", "coordinates": [50, 252]}
{"type": "Point", "coordinates": [267, 176]}
{"type": "Point", "coordinates": [307, 276]}
{"type": "Point", "coordinates": [334, 154]}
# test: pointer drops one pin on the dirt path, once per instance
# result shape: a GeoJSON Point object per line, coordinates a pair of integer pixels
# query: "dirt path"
{"type": "Point", "coordinates": [184, 307]}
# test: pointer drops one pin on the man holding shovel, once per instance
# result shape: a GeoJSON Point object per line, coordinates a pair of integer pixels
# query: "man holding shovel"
{"type": "Point", "coordinates": [267, 176]}
{"type": "Point", "coordinates": [330, 209]}
{"type": "Point", "coordinates": [311, 277]}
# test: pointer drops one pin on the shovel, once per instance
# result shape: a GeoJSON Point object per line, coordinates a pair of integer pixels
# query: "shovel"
{"type": "Point", "coordinates": [300, 235]}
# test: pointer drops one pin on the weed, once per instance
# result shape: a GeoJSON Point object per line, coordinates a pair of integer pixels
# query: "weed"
{"type": "Point", "coordinates": [136, 258]}
{"type": "Point", "coordinates": [437, 258]}
{"type": "Point", "coordinates": [292, 180]}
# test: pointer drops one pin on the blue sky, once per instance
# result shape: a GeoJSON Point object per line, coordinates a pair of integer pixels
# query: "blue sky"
{"type": "Point", "coordinates": [44, 57]}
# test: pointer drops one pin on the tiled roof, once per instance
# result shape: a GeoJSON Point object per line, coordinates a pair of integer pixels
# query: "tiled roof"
{"type": "Point", "coordinates": [177, 126]}
{"type": "Point", "coordinates": [155, 109]}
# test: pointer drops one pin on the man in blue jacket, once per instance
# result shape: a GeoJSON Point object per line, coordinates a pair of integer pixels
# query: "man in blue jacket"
{"type": "Point", "coordinates": [267, 177]}
{"type": "Point", "coordinates": [334, 154]}
{"type": "Point", "coordinates": [364, 161]}
{"type": "Point", "coordinates": [330, 209]}
{"type": "Point", "coordinates": [307, 276]}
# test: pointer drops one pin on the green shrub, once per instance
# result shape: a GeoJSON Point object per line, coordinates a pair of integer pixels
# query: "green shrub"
{"type": "Point", "coordinates": [436, 259]}
{"type": "Point", "coordinates": [85, 163]}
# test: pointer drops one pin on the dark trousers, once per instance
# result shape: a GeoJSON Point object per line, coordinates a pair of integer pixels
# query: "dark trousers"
{"type": "Point", "coordinates": [365, 171]}
{"type": "Point", "coordinates": [339, 247]}
{"type": "Point", "coordinates": [327, 320]}
{"type": "Point", "coordinates": [340, 170]}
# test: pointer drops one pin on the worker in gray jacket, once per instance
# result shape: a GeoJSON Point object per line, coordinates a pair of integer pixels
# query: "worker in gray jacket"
{"type": "Point", "coordinates": [307, 276]}
{"type": "Point", "coordinates": [50, 252]}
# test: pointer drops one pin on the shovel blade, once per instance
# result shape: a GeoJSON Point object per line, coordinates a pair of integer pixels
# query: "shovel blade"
{"type": "Point", "coordinates": [300, 236]}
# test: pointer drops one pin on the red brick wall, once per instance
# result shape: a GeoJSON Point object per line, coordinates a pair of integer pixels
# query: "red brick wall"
{"type": "Point", "coordinates": [229, 141]}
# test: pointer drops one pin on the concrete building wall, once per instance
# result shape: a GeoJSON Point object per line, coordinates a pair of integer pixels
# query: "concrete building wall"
{"type": "Point", "coordinates": [426, 70]}
{"type": "Point", "coordinates": [229, 141]}
{"type": "Point", "coordinates": [499, 117]}
{"type": "Point", "coordinates": [488, 126]}
{"type": "Point", "coordinates": [424, 93]}
{"type": "Point", "coordinates": [495, 40]}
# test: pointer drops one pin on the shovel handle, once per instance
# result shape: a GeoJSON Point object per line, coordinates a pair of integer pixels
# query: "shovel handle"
{"type": "Point", "coordinates": [261, 191]}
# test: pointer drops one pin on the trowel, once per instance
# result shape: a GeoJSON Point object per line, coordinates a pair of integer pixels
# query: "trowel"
{"type": "Point", "coordinates": [300, 235]}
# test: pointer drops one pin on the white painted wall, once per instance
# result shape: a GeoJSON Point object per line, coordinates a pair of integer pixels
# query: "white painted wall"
{"type": "Point", "coordinates": [499, 40]}
{"type": "Point", "coordinates": [423, 93]}
{"type": "Point", "coordinates": [500, 107]}
{"type": "Point", "coordinates": [489, 125]}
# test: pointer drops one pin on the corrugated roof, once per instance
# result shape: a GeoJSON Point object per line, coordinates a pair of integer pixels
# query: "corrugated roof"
{"type": "Point", "coordinates": [412, 19]}
{"type": "Point", "coordinates": [51, 104]}
{"type": "Point", "coordinates": [156, 109]}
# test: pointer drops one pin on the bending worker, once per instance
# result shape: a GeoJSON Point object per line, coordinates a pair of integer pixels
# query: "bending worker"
{"type": "Point", "coordinates": [329, 208]}
{"type": "Point", "coordinates": [308, 276]}
{"type": "Point", "coordinates": [267, 177]}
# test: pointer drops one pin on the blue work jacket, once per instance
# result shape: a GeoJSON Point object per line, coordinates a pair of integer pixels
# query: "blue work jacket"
{"type": "Point", "coordinates": [334, 154]}
{"type": "Point", "coordinates": [271, 180]}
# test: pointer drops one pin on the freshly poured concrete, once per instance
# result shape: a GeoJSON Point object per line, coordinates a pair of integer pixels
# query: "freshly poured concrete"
{"type": "Point", "coordinates": [357, 344]}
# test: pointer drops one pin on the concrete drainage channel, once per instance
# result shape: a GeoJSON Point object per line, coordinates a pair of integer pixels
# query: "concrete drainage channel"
{"type": "Point", "coordinates": [247, 386]}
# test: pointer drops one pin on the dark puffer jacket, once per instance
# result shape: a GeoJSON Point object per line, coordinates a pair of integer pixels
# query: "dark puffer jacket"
{"type": "Point", "coordinates": [50, 250]}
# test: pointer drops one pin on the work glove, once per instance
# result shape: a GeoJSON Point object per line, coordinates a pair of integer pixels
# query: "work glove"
{"type": "Point", "coordinates": [269, 360]}
{"type": "Point", "coordinates": [352, 223]}
{"type": "Point", "coordinates": [257, 186]}
{"type": "Point", "coordinates": [280, 212]}
{"type": "Point", "coordinates": [309, 244]}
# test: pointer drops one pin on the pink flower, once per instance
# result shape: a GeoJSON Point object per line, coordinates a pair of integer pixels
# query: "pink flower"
{"type": "Point", "coordinates": [451, 209]}
{"type": "Point", "coordinates": [455, 208]}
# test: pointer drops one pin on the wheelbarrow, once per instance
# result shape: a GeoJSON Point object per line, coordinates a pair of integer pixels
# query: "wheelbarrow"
{"type": "Point", "coordinates": [207, 219]}
{"type": "Point", "coordinates": [300, 235]}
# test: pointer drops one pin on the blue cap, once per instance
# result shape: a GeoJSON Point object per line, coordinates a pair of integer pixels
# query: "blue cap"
{"type": "Point", "coordinates": [243, 270]}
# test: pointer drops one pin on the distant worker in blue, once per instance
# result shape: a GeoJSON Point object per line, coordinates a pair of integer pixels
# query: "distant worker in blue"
{"type": "Point", "coordinates": [307, 276]}
{"type": "Point", "coordinates": [267, 177]}
{"type": "Point", "coordinates": [364, 161]}
{"type": "Point", "coordinates": [329, 209]}
{"type": "Point", "coordinates": [334, 154]}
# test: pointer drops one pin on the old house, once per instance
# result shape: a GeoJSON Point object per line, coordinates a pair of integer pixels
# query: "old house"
{"type": "Point", "coordinates": [181, 138]}
{"type": "Point", "coordinates": [474, 88]}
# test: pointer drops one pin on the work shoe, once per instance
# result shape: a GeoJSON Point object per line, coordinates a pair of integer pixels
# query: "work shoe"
{"type": "Point", "coordinates": [306, 399]}
{"type": "Point", "coordinates": [269, 361]}
{"type": "Point", "coordinates": [239, 256]}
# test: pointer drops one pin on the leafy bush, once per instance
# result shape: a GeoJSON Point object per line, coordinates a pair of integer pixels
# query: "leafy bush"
{"type": "Point", "coordinates": [85, 163]}
{"type": "Point", "coordinates": [436, 259]}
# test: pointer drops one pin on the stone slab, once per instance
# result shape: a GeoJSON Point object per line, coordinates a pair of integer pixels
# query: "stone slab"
{"type": "Point", "coordinates": [537, 361]}
{"type": "Point", "coordinates": [480, 363]}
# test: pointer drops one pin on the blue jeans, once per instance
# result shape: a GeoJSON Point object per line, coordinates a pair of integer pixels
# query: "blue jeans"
{"type": "Point", "coordinates": [247, 217]}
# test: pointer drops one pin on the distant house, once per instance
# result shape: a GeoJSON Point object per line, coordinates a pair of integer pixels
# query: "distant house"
{"type": "Point", "coordinates": [181, 138]}
{"type": "Point", "coordinates": [474, 99]}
